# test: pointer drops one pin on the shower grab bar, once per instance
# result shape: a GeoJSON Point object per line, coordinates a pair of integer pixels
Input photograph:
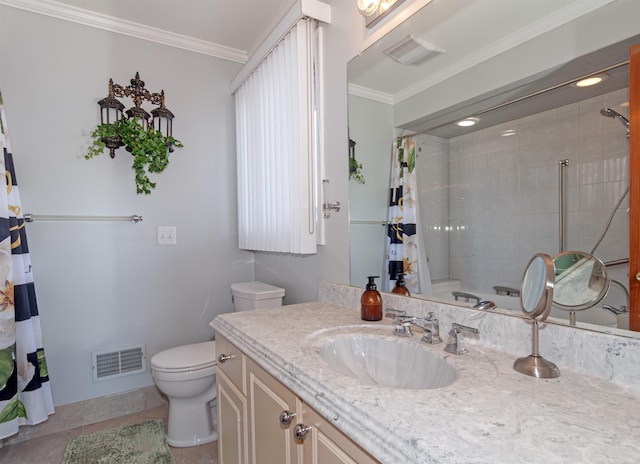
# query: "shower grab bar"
{"type": "Point", "coordinates": [466, 296]}
{"type": "Point", "coordinates": [562, 230]}
{"type": "Point", "coordinates": [500, 290]}
{"type": "Point", "coordinates": [376, 223]}
{"type": "Point", "coordinates": [28, 217]}
{"type": "Point", "coordinates": [616, 262]}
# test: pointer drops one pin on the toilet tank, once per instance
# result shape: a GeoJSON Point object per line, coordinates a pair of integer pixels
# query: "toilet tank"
{"type": "Point", "coordinates": [256, 295]}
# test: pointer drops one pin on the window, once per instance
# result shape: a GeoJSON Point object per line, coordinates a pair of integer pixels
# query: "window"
{"type": "Point", "coordinates": [277, 138]}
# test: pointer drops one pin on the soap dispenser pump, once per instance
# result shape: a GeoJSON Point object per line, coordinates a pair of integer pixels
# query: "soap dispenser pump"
{"type": "Point", "coordinates": [401, 286]}
{"type": "Point", "coordinates": [371, 302]}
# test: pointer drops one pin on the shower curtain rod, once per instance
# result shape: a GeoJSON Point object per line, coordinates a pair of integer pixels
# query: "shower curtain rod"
{"type": "Point", "coordinates": [28, 217]}
{"type": "Point", "coordinates": [519, 99]}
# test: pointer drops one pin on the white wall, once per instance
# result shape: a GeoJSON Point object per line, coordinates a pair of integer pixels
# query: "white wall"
{"type": "Point", "coordinates": [103, 285]}
{"type": "Point", "coordinates": [370, 126]}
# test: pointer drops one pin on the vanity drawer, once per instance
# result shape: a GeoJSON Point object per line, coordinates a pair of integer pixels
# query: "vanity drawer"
{"type": "Point", "coordinates": [232, 362]}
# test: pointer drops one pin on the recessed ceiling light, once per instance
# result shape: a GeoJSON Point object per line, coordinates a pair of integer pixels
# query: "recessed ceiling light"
{"type": "Point", "coordinates": [589, 81]}
{"type": "Point", "coordinates": [468, 122]}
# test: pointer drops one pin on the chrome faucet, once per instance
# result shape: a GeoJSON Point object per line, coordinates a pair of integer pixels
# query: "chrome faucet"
{"type": "Point", "coordinates": [403, 322]}
{"type": "Point", "coordinates": [455, 343]}
{"type": "Point", "coordinates": [485, 305]}
{"type": "Point", "coordinates": [403, 325]}
{"type": "Point", "coordinates": [617, 311]}
{"type": "Point", "coordinates": [623, 308]}
{"type": "Point", "coordinates": [431, 328]}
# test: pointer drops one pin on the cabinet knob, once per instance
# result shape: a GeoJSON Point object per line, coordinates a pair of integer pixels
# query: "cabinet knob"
{"type": "Point", "coordinates": [638, 276]}
{"type": "Point", "coordinates": [224, 358]}
{"type": "Point", "coordinates": [300, 431]}
{"type": "Point", "coordinates": [286, 417]}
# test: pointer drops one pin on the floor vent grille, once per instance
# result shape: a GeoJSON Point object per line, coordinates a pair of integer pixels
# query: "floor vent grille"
{"type": "Point", "coordinates": [118, 363]}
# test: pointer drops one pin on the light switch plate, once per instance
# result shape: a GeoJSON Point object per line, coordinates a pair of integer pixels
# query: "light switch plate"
{"type": "Point", "coordinates": [167, 235]}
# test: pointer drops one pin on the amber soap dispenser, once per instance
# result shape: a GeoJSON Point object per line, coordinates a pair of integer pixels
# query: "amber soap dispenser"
{"type": "Point", "coordinates": [371, 302]}
{"type": "Point", "coordinates": [401, 286]}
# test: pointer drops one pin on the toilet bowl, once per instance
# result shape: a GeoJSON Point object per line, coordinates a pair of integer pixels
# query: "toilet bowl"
{"type": "Point", "coordinates": [187, 374]}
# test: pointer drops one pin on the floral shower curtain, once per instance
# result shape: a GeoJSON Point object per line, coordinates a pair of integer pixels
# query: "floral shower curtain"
{"type": "Point", "coordinates": [405, 251]}
{"type": "Point", "coordinates": [25, 393]}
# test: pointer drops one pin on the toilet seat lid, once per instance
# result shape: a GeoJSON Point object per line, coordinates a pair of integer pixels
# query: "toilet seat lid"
{"type": "Point", "coordinates": [186, 357]}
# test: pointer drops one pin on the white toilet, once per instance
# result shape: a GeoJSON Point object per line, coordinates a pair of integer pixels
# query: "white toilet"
{"type": "Point", "coordinates": [187, 374]}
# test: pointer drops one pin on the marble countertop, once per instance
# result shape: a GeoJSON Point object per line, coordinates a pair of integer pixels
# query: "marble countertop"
{"type": "Point", "coordinates": [490, 414]}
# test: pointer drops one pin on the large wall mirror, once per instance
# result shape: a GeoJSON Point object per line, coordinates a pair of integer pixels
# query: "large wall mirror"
{"type": "Point", "coordinates": [545, 169]}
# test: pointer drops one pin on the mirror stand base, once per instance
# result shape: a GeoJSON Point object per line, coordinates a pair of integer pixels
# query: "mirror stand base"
{"type": "Point", "coordinates": [536, 366]}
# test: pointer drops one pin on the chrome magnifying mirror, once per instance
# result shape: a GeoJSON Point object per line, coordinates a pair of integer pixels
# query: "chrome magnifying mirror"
{"type": "Point", "coordinates": [536, 297]}
{"type": "Point", "coordinates": [580, 282]}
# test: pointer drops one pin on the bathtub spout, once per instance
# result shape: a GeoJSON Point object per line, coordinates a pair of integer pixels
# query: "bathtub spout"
{"type": "Point", "coordinates": [486, 306]}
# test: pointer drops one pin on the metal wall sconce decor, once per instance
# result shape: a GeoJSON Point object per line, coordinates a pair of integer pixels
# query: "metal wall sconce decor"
{"type": "Point", "coordinates": [355, 168]}
{"type": "Point", "coordinates": [111, 111]}
{"type": "Point", "coordinates": [147, 136]}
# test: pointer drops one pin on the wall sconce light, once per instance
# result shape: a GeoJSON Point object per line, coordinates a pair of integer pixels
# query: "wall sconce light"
{"type": "Point", "coordinates": [375, 10]}
{"type": "Point", "coordinates": [111, 111]}
{"type": "Point", "coordinates": [368, 7]}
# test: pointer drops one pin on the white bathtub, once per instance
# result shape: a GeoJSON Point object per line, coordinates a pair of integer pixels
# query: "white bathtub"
{"type": "Point", "coordinates": [596, 315]}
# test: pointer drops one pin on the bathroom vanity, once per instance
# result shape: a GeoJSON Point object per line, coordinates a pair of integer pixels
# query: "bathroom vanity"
{"type": "Point", "coordinates": [489, 414]}
{"type": "Point", "coordinates": [259, 419]}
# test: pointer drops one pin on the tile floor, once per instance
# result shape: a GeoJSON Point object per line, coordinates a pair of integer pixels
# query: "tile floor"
{"type": "Point", "coordinates": [50, 449]}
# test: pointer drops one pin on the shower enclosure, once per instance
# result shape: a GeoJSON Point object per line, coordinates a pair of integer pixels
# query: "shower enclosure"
{"type": "Point", "coordinates": [503, 196]}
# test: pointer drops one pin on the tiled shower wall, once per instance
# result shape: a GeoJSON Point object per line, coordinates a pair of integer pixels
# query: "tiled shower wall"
{"type": "Point", "coordinates": [489, 203]}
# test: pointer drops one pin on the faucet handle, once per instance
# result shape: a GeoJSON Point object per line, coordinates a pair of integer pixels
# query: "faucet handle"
{"type": "Point", "coordinates": [455, 343]}
{"type": "Point", "coordinates": [431, 328]}
{"type": "Point", "coordinates": [394, 313]}
{"type": "Point", "coordinates": [401, 321]}
{"type": "Point", "coordinates": [403, 325]}
{"type": "Point", "coordinates": [463, 328]}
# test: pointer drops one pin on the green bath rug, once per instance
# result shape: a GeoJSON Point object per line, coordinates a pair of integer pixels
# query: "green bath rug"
{"type": "Point", "coordinates": [131, 444]}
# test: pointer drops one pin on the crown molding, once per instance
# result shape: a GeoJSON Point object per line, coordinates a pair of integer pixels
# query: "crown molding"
{"type": "Point", "coordinates": [370, 94]}
{"type": "Point", "coordinates": [132, 29]}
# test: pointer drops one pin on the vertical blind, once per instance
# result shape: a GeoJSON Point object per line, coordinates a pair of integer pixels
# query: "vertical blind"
{"type": "Point", "coordinates": [277, 154]}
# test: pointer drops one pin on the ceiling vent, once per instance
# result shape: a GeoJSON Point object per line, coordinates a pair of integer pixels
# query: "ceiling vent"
{"type": "Point", "coordinates": [412, 51]}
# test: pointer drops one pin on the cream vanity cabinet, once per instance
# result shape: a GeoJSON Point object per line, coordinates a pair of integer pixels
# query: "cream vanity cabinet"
{"type": "Point", "coordinates": [232, 404]}
{"type": "Point", "coordinates": [258, 419]}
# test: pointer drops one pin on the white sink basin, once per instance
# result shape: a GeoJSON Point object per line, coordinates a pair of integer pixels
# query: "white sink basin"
{"type": "Point", "coordinates": [387, 361]}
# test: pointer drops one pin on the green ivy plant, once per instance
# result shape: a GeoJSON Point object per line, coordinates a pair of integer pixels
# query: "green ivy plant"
{"type": "Point", "coordinates": [149, 147]}
{"type": "Point", "coordinates": [355, 171]}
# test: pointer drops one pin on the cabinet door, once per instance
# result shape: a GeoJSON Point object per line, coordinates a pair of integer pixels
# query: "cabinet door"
{"type": "Point", "coordinates": [270, 442]}
{"type": "Point", "coordinates": [232, 363]}
{"type": "Point", "coordinates": [232, 422]}
{"type": "Point", "coordinates": [324, 444]}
